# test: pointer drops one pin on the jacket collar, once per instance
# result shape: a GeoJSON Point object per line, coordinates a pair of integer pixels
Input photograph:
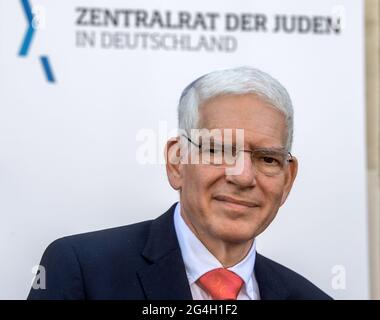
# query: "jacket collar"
{"type": "Point", "coordinates": [165, 276]}
{"type": "Point", "coordinates": [271, 286]}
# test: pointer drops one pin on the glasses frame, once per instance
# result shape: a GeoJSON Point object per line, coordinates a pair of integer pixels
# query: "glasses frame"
{"type": "Point", "coordinates": [199, 146]}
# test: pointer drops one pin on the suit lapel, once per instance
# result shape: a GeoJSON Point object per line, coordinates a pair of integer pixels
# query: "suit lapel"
{"type": "Point", "coordinates": [271, 287]}
{"type": "Point", "coordinates": [165, 275]}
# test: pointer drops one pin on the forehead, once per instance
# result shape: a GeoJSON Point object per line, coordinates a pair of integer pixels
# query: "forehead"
{"type": "Point", "coordinates": [263, 124]}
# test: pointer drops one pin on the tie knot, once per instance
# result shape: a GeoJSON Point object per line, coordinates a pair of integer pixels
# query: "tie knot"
{"type": "Point", "coordinates": [221, 284]}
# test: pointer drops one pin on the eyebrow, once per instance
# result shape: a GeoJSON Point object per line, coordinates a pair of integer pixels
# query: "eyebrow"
{"type": "Point", "coordinates": [271, 150]}
{"type": "Point", "coordinates": [264, 149]}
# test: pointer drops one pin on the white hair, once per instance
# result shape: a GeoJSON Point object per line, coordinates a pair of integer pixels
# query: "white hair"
{"type": "Point", "coordinates": [236, 81]}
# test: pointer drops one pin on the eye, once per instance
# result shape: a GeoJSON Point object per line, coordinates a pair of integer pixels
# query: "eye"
{"type": "Point", "coordinates": [216, 150]}
{"type": "Point", "coordinates": [270, 160]}
{"type": "Point", "coordinates": [212, 150]}
{"type": "Point", "coordinates": [209, 150]}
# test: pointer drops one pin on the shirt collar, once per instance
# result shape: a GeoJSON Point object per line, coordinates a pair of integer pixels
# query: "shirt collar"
{"type": "Point", "coordinates": [198, 259]}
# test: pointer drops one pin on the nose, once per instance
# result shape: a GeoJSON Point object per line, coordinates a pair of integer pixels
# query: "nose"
{"type": "Point", "coordinates": [244, 173]}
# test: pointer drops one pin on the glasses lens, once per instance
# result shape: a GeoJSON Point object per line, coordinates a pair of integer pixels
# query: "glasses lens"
{"type": "Point", "coordinates": [269, 162]}
{"type": "Point", "coordinates": [266, 161]}
{"type": "Point", "coordinates": [212, 153]}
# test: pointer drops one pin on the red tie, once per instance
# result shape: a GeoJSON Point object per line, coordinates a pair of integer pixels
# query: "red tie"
{"type": "Point", "coordinates": [221, 284]}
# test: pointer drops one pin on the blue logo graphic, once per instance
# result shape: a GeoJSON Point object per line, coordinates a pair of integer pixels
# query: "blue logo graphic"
{"type": "Point", "coordinates": [25, 46]}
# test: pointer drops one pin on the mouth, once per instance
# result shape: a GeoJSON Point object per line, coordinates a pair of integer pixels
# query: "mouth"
{"type": "Point", "coordinates": [236, 203]}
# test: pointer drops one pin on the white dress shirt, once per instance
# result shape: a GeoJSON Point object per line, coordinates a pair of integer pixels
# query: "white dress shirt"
{"type": "Point", "coordinates": [199, 260]}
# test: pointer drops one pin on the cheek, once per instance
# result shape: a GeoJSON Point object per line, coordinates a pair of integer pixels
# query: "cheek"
{"type": "Point", "coordinates": [197, 183]}
{"type": "Point", "coordinates": [200, 185]}
{"type": "Point", "coordinates": [272, 191]}
{"type": "Point", "coordinates": [196, 194]}
{"type": "Point", "coordinates": [198, 175]}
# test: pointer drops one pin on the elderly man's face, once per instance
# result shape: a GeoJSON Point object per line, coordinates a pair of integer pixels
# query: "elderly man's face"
{"type": "Point", "coordinates": [208, 196]}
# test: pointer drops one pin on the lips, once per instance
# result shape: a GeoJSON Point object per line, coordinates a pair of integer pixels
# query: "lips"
{"type": "Point", "coordinates": [240, 202]}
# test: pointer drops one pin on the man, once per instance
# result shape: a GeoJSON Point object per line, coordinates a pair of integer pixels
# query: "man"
{"type": "Point", "coordinates": [232, 166]}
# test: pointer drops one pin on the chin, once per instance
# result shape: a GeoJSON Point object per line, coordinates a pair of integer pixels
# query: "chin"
{"type": "Point", "coordinates": [236, 239]}
{"type": "Point", "coordinates": [236, 234]}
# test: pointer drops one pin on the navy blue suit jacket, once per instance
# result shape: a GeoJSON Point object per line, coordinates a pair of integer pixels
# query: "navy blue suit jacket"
{"type": "Point", "coordinates": [143, 261]}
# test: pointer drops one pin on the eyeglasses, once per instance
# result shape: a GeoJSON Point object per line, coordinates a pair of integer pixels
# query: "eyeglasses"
{"type": "Point", "coordinates": [269, 161]}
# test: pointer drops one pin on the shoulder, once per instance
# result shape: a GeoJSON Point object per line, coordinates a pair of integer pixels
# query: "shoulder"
{"type": "Point", "coordinates": [130, 238]}
{"type": "Point", "coordinates": [296, 286]}
{"type": "Point", "coordinates": [85, 265]}
{"type": "Point", "coordinates": [124, 241]}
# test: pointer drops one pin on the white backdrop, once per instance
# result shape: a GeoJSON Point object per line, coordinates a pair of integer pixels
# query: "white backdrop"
{"type": "Point", "coordinates": [68, 148]}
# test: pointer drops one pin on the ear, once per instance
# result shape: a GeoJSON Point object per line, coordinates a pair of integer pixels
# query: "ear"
{"type": "Point", "coordinates": [290, 176]}
{"type": "Point", "coordinates": [172, 159]}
